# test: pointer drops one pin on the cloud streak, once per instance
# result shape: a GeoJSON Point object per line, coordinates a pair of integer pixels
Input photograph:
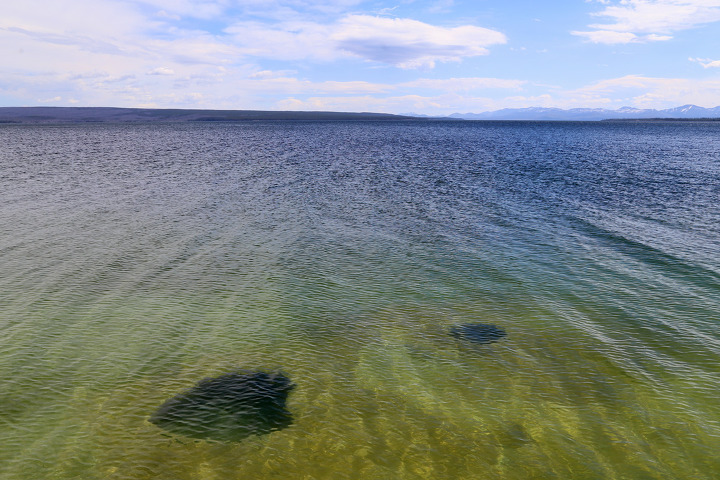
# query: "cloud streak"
{"type": "Point", "coordinates": [706, 62]}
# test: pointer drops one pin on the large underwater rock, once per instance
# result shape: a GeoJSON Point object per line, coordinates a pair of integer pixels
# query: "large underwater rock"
{"type": "Point", "coordinates": [477, 332]}
{"type": "Point", "coordinates": [228, 408]}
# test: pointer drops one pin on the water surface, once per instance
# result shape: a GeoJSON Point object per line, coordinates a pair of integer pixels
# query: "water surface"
{"type": "Point", "coordinates": [138, 259]}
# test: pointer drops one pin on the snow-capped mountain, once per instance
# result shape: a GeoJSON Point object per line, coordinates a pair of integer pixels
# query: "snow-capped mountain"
{"type": "Point", "coordinates": [542, 113]}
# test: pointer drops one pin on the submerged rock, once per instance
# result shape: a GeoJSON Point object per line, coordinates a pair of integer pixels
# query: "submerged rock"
{"type": "Point", "coordinates": [477, 332]}
{"type": "Point", "coordinates": [228, 408]}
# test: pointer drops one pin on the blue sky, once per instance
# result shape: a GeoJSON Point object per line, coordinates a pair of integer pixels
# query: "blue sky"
{"type": "Point", "coordinates": [432, 57]}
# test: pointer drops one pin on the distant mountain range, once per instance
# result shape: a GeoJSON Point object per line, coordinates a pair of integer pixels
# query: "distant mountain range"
{"type": "Point", "coordinates": [590, 114]}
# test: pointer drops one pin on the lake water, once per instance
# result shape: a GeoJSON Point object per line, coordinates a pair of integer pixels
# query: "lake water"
{"type": "Point", "coordinates": [137, 260]}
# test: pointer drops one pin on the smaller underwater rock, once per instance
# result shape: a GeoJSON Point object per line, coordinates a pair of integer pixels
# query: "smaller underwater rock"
{"type": "Point", "coordinates": [228, 408]}
{"type": "Point", "coordinates": [477, 332]}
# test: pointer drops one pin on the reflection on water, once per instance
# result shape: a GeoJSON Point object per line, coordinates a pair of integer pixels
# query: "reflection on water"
{"type": "Point", "coordinates": [138, 260]}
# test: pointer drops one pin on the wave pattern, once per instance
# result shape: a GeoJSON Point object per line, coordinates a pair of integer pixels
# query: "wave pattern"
{"type": "Point", "coordinates": [139, 259]}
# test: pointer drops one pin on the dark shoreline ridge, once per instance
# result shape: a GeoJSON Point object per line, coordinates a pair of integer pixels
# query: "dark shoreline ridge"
{"type": "Point", "coordinates": [34, 115]}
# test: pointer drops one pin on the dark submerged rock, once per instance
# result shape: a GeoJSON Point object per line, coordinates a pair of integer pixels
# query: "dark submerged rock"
{"type": "Point", "coordinates": [228, 408]}
{"type": "Point", "coordinates": [477, 332]}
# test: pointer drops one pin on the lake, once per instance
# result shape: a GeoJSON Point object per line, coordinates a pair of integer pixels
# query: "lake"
{"type": "Point", "coordinates": [137, 260]}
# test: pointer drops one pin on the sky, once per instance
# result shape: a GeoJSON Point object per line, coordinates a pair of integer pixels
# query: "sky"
{"type": "Point", "coordinates": [432, 57]}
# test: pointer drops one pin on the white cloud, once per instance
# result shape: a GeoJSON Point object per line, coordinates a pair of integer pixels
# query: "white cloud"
{"type": "Point", "coordinates": [295, 86]}
{"type": "Point", "coordinates": [433, 105]}
{"type": "Point", "coordinates": [607, 36]}
{"type": "Point", "coordinates": [441, 104]}
{"type": "Point", "coordinates": [187, 8]}
{"type": "Point", "coordinates": [463, 84]}
{"type": "Point", "coordinates": [161, 71]}
{"type": "Point", "coordinates": [442, 6]}
{"type": "Point", "coordinates": [269, 74]}
{"type": "Point", "coordinates": [650, 20]}
{"type": "Point", "coordinates": [706, 62]}
{"type": "Point", "coordinates": [649, 92]}
{"type": "Point", "coordinates": [409, 43]}
{"type": "Point", "coordinates": [657, 38]}
{"type": "Point", "coordinates": [402, 42]}
{"type": "Point", "coordinates": [148, 52]}
{"type": "Point", "coordinates": [270, 82]}
{"type": "Point", "coordinates": [145, 52]}
{"type": "Point", "coordinates": [46, 101]}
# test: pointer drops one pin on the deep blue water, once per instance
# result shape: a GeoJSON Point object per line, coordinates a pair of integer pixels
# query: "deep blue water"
{"type": "Point", "coordinates": [138, 259]}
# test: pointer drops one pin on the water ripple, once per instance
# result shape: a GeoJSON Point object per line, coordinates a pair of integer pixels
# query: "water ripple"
{"type": "Point", "coordinates": [139, 259]}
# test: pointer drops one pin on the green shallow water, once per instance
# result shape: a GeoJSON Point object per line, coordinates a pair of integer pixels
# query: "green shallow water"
{"type": "Point", "coordinates": [139, 259]}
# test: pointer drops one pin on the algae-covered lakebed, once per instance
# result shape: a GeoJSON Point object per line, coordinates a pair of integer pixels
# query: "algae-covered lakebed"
{"type": "Point", "coordinates": [360, 300]}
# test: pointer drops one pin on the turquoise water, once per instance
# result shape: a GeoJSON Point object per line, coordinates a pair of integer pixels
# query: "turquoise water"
{"type": "Point", "coordinates": [138, 260]}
